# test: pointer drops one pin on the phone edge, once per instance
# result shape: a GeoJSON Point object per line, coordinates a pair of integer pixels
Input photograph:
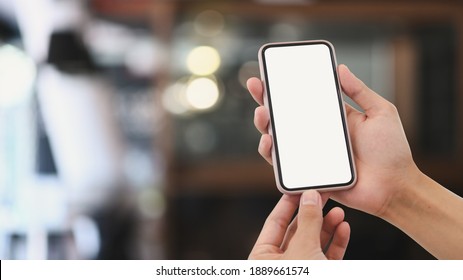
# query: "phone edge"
{"type": "Point", "coordinates": [276, 170]}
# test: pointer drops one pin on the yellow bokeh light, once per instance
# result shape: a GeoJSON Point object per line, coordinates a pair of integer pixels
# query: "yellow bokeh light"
{"type": "Point", "coordinates": [203, 61]}
{"type": "Point", "coordinates": [202, 93]}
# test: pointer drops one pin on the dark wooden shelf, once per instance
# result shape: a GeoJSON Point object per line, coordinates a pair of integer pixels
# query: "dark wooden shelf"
{"type": "Point", "coordinates": [223, 177]}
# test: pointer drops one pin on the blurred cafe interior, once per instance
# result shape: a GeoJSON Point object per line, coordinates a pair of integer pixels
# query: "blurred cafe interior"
{"type": "Point", "coordinates": [126, 130]}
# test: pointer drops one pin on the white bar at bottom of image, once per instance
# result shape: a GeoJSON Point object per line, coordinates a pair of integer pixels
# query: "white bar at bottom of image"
{"type": "Point", "coordinates": [235, 269]}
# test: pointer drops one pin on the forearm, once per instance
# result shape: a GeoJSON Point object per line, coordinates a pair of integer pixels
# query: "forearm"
{"type": "Point", "coordinates": [431, 215]}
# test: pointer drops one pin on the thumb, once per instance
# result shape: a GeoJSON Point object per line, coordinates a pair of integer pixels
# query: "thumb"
{"type": "Point", "coordinates": [353, 87]}
{"type": "Point", "coordinates": [310, 219]}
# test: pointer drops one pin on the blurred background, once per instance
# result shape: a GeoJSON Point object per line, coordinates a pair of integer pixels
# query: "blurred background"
{"type": "Point", "coordinates": [126, 130]}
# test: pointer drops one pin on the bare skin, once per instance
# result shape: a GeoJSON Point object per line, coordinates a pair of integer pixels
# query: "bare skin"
{"type": "Point", "coordinates": [306, 235]}
{"type": "Point", "coordinates": [389, 184]}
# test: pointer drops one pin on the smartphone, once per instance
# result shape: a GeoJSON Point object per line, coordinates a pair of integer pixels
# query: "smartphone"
{"type": "Point", "coordinates": [311, 145]}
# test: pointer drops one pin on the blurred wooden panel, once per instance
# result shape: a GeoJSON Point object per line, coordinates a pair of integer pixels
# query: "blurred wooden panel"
{"type": "Point", "coordinates": [122, 8]}
{"type": "Point", "coordinates": [368, 10]}
{"type": "Point", "coordinates": [224, 176]}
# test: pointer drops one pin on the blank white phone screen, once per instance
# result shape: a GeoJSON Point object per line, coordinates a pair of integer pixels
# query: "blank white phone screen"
{"type": "Point", "coordinates": [305, 107]}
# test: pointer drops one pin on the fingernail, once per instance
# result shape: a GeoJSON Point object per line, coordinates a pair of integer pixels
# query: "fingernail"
{"type": "Point", "coordinates": [310, 197]}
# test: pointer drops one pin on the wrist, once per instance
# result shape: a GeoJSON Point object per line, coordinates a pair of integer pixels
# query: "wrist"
{"type": "Point", "coordinates": [429, 214]}
{"type": "Point", "coordinates": [406, 195]}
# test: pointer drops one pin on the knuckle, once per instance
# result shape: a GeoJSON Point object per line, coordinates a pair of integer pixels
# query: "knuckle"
{"type": "Point", "coordinates": [278, 222]}
{"type": "Point", "coordinates": [391, 108]}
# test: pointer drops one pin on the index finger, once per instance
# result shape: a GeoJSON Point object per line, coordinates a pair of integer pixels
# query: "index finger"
{"type": "Point", "coordinates": [256, 89]}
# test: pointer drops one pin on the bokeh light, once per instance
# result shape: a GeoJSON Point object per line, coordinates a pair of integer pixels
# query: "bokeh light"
{"type": "Point", "coordinates": [209, 23]}
{"type": "Point", "coordinates": [174, 100]}
{"type": "Point", "coordinates": [203, 61]}
{"type": "Point", "coordinates": [202, 93]}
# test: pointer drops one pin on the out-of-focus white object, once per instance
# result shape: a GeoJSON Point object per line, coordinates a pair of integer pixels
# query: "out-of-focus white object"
{"type": "Point", "coordinates": [17, 75]}
{"type": "Point", "coordinates": [146, 57]}
{"type": "Point", "coordinates": [39, 18]}
{"type": "Point", "coordinates": [86, 237]}
{"type": "Point", "coordinates": [86, 143]}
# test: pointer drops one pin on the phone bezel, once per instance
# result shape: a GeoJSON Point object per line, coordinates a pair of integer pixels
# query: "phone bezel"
{"type": "Point", "coordinates": [272, 132]}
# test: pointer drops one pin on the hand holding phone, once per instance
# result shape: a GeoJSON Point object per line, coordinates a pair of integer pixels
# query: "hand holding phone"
{"type": "Point", "coordinates": [311, 146]}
